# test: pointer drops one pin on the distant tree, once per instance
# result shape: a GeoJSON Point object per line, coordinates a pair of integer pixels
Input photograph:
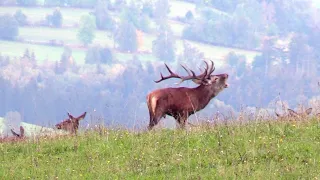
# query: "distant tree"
{"type": "Point", "coordinates": [190, 54]}
{"type": "Point", "coordinates": [86, 32]}
{"type": "Point", "coordinates": [126, 37]}
{"type": "Point", "coordinates": [163, 47]}
{"type": "Point", "coordinates": [224, 5]}
{"type": "Point", "coordinates": [54, 19]}
{"type": "Point", "coordinates": [27, 2]}
{"type": "Point", "coordinates": [57, 18]}
{"type": "Point", "coordinates": [57, 69]}
{"type": "Point", "coordinates": [8, 2]}
{"type": "Point", "coordinates": [21, 17]}
{"type": "Point", "coordinates": [148, 8]}
{"type": "Point", "coordinates": [118, 5]}
{"type": "Point", "coordinates": [106, 55]}
{"type": "Point", "coordinates": [26, 53]}
{"type": "Point", "coordinates": [162, 8]}
{"type": "Point", "coordinates": [98, 55]}
{"type": "Point", "coordinates": [65, 59]}
{"type": "Point", "coordinates": [133, 14]}
{"type": "Point", "coordinates": [189, 16]}
{"type": "Point", "coordinates": [33, 57]}
{"type": "Point", "coordinates": [237, 62]}
{"type": "Point", "coordinates": [9, 27]}
{"type": "Point", "coordinates": [103, 19]}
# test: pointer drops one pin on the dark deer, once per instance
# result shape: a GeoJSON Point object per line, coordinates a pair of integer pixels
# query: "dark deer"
{"type": "Point", "coordinates": [182, 102]}
{"type": "Point", "coordinates": [21, 135]}
{"type": "Point", "coordinates": [71, 124]}
{"type": "Point", "coordinates": [15, 138]}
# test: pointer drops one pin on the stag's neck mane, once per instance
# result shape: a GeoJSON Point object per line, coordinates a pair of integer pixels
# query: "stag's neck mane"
{"type": "Point", "coordinates": [202, 94]}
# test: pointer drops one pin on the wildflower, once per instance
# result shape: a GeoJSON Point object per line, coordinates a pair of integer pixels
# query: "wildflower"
{"type": "Point", "coordinates": [80, 174]}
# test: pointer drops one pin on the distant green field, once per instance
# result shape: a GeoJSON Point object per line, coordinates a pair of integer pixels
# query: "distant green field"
{"type": "Point", "coordinates": [68, 35]}
{"type": "Point", "coordinates": [217, 52]}
{"type": "Point", "coordinates": [71, 16]}
{"type": "Point", "coordinates": [16, 49]}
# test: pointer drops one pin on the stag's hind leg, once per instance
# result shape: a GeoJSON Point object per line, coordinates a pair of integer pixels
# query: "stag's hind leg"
{"type": "Point", "coordinates": [154, 112]}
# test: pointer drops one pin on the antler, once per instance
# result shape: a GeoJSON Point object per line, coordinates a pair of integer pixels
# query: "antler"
{"type": "Point", "coordinates": [191, 74]}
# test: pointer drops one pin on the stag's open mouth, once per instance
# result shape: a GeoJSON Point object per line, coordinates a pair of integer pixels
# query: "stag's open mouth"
{"type": "Point", "coordinates": [226, 78]}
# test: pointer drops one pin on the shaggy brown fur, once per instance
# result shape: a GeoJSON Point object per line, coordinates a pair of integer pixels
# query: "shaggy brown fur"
{"type": "Point", "coordinates": [71, 124]}
{"type": "Point", "coordinates": [182, 102]}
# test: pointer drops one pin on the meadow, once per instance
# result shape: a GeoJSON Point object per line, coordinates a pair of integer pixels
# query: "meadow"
{"type": "Point", "coordinates": [255, 150]}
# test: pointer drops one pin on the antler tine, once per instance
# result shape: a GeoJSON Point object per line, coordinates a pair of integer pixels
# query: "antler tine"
{"type": "Point", "coordinates": [191, 74]}
{"type": "Point", "coordinates": [212, 68]}
{"type": "Point", "coordinates": [172, 75]}
{"type": "Point", "coordinates": [186, 69]}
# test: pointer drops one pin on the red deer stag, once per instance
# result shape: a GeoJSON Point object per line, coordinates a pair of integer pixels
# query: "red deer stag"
{"type": "Point", "coordinates": [182, 102]}
{"type": "Point", "coordinates": [71, 124]}
{"type": "Point", "coordinates": [295, 115]}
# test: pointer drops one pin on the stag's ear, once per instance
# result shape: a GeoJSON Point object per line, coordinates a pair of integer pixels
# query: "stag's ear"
{"type": "Point", "coordinates": [308, 111]}
{"type": "Point", "coordinates": [21, 131]}
{"type": "Point", "coordinates": [292, 112]}
{"type": "Point", "coordinates": [213, 79]}
{"type": "Point", "coordinates": [197, 81]}
{"type": "Point", "coordinates": [82, 116]}
{"type": "Point", "coordinates": [70, 116]}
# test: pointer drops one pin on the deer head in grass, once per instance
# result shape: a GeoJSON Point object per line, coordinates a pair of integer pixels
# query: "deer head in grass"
{"type": "Point", "coordinates": [71, 124]}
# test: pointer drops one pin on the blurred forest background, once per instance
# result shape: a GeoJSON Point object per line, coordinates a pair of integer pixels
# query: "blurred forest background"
{"type": "Point", "coordinates": [101, 56]}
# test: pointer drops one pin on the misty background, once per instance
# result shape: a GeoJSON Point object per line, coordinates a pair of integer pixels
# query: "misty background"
{"type": "Point", "coordinates": [101, 56]}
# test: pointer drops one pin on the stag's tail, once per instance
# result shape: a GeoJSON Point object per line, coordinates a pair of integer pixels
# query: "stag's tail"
{"type": "Point", "coordinates": [151, 112]}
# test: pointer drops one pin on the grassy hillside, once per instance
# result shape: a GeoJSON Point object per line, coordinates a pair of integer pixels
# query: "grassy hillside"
{"type": "Point", "coordinates": [256, 151]}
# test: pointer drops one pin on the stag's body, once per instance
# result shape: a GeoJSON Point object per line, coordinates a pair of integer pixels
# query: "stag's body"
{"type": "Point", "coordinates": [182, 102]}
{"type": "Point", "coordinates": [295, 115]}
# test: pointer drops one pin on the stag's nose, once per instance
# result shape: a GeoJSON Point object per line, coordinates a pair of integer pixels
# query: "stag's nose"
{"type": "Point", "coordinates": [225, 75]}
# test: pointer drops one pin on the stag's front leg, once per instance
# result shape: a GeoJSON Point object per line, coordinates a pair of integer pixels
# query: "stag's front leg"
{"type": "Point", "coordinates": [182, 119]}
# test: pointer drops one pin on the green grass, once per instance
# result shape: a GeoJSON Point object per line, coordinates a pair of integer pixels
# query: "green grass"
{"type": "Point", "coordinates": [253, 151]}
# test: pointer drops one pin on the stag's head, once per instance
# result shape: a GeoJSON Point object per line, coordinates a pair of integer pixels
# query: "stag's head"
{"type": "Point", "coordinates": [216, 82]}
{"type": "Point", "coordinates": [72, 123]}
